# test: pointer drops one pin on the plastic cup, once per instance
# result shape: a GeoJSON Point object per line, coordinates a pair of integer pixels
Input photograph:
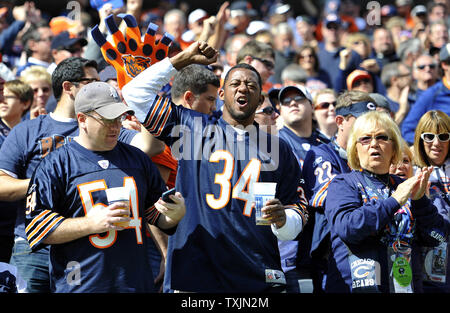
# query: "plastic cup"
{"type": "Point", "coordinates": [262, 193]}
{"type": "Point", "coordinates": [119, 194]}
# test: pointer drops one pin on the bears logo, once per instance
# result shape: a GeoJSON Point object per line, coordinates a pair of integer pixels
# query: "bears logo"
{"type": "Point", "coordinates": [135, 64]}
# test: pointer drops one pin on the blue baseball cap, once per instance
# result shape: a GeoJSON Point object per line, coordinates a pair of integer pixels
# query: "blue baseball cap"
{"type": "Point", "coordinates": [357, 109]}
{"type": "Point", "coordinates": [63, 40]}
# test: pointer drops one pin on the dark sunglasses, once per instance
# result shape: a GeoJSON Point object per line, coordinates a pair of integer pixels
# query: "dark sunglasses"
{"type": "Point", "coordinates": [365, 140]}
{"type": "Point", "coordinates": [266, 110]}
{"type": "Point", "coordinates": [267, 63]}
{"type": "Point", "coordinates": [287, 101]}
{"type": "Point", "coordinates": [85, 79]}
{"type": "Point", "coordinates": [362, 81]}
{"type": "Point", "coordinates": [431, 66]}
{"type": "Point", "coordinates": [429, 137]}
{"type": "Point", "coordinates": [324, 105]}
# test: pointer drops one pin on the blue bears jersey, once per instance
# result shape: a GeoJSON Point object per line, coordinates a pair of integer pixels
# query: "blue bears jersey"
{"type": "Point", "coordinates": [322, 164]}
{"type": "Point", "coordinates": [295, 253]}
{"type": "Point", "coordinates": [217, 246]}
{"type": "Point", "coordinates": [31, 141]}
{"type": "Point", "coordinates": [68, 183]}
{"type": "Point", "coordinates": [299, 145]}
{"type": "Point", "coordinates": [360, 221]}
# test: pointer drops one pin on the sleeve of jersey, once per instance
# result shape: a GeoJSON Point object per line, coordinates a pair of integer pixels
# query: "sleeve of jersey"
{"type": "Point", "coordinates": [11, 152]}
{"type": "Point", "coordinates": [432, 226]}
{"type": "Point", "coordinates": [352, 219]}
{"type": "Point", "coordinates": [156, 188]}
{"type": "Point", "coordinates": [165, 158]}
{"type": "Point", "coordinates": [292, 186]}
{"type": "Point", "coordinates": [40, 218]}
{"type": "Point", "coordinates": [141, 94]}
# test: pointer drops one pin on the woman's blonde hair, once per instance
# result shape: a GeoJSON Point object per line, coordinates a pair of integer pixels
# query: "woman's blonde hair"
{"type": "Point", "coordinates": [368, 122]}
{"type": "Point", "coordinates": [35, 73]}
{"type": "Point", "coordinates": [433, 121]}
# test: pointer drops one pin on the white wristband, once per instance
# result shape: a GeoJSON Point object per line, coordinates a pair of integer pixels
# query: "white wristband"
{"type": "Point", "coordinates": [291, 228]}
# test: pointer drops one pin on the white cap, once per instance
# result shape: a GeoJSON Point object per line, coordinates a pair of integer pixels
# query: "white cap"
{"type": "Point", "coordinates": [197, 14]}
{"type": "Point", "coordinates": [256, 26]}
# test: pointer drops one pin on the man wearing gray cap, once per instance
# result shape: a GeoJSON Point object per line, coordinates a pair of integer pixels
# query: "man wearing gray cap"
{"type": "Point", "coordinates": [32, 141]}
{"type": "Point", "coordinates": [72, 210]}
{"type": "Point", "coordinates": [437, 97]}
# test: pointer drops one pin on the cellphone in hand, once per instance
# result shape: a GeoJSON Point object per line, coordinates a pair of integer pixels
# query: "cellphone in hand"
{"type": "Point", "coordinates": [166, 194]}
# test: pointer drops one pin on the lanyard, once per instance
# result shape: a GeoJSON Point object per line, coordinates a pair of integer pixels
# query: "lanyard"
{"type": "Point", "coordinates": [442, 184]}
{"type": "Point", "coordinates": [375, 189]}
{"type": "Point", "coordinates": [400, 229]}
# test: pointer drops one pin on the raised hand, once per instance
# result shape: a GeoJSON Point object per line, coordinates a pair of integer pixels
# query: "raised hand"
{"type": "Point", "coordinates": [404, 190]}
{"type": "Point", "coordinates": [198, 52]}
{"type": "Point", "coordinates": [130, 55]}
{"type": "Point", "coordinates": [421, 189]}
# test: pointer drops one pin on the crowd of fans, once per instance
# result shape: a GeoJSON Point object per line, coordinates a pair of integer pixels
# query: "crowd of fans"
{"type": "Point", "coordinates": [396, 55]}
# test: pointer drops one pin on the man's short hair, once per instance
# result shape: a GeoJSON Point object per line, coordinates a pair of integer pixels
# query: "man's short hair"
{"type": "Point", "coordinates": [194, 78]}
{"type": "Point", "coordinates": [389, 71]}
{"type": "Point", "coordinates": [255, 49]}
{"type": "Point", "coordinates": [295, 73]}
{"type": "Point", "coordinates": [348, 97]}
{"type": "Point", "coordinates": [244, 66]}
{"type": "Point", "coordinates": [32, 34]}
{"type": "Point", "coordinates": [70, 69]}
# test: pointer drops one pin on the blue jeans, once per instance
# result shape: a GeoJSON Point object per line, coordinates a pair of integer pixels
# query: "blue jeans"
{"type": "Point", "coordinates": [298, 282]}
{"type": "Point", "coordinates": [33, 267]}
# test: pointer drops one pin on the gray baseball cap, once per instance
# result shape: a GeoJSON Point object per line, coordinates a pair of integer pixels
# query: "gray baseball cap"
{"type": "Point", "coordinates": [101, 98]}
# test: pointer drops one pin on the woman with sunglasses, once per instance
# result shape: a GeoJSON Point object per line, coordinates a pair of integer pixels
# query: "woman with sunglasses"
{"type": "Point", "coordinates": [431, 143]}
{"type": "Point", "coordinates": [324, 104]}
{"type": "Point", "coordinates": [374, 216]}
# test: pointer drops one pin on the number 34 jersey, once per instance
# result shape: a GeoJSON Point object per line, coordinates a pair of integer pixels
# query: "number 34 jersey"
{"type": "Point", "coordinates": [69, 183]}
{"type": "Point", "coordinates": [217, 246]}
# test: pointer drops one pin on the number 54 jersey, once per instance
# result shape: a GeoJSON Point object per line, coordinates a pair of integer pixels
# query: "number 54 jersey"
{"type": "Point", "coordinates": [69, 183]}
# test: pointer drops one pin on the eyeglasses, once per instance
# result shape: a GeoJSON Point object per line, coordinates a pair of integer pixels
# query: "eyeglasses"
{"type": "Point", "coordinates": [365, 140]}
{"type": "Point", "coordinates": [85, 79]}
{"type": "Point", "coordinates": [306, 56]}
{"type": "Point", "coordinates": [359, 82]}
{"type": "Point", "coordinates": [108, 122]}
{"type": "Point", "coordinates": [422, 67]}
{"type": "Point", "coordinates": [267, 110]}
{"type": "Point", "coordinates": [333, 26]}
{"type": "Point", "coordinates": [10, 97]}
{"type": "Point", "coordinates": [287, 101]}
{"type": "Point", "coordinates": [324, 105]}
{"type": "Point", "coordinates": [46, 39]}
{"type": "Point", "coordinates": [429, 137]}
{"type": "Point", "coordinates": [267, 63]}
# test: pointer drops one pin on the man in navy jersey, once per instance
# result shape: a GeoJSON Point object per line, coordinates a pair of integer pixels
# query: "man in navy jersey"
{"type": "Point", "coordinates": [322, 164]}
{"type": "Point", "coordinates": [31, 141]}
{"type": "Point", "coordinates": [67, 205]}
{"type": "Point", "coordinates": [296, 112]}
{"type": "Point", "coordinates": [217, 246]}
